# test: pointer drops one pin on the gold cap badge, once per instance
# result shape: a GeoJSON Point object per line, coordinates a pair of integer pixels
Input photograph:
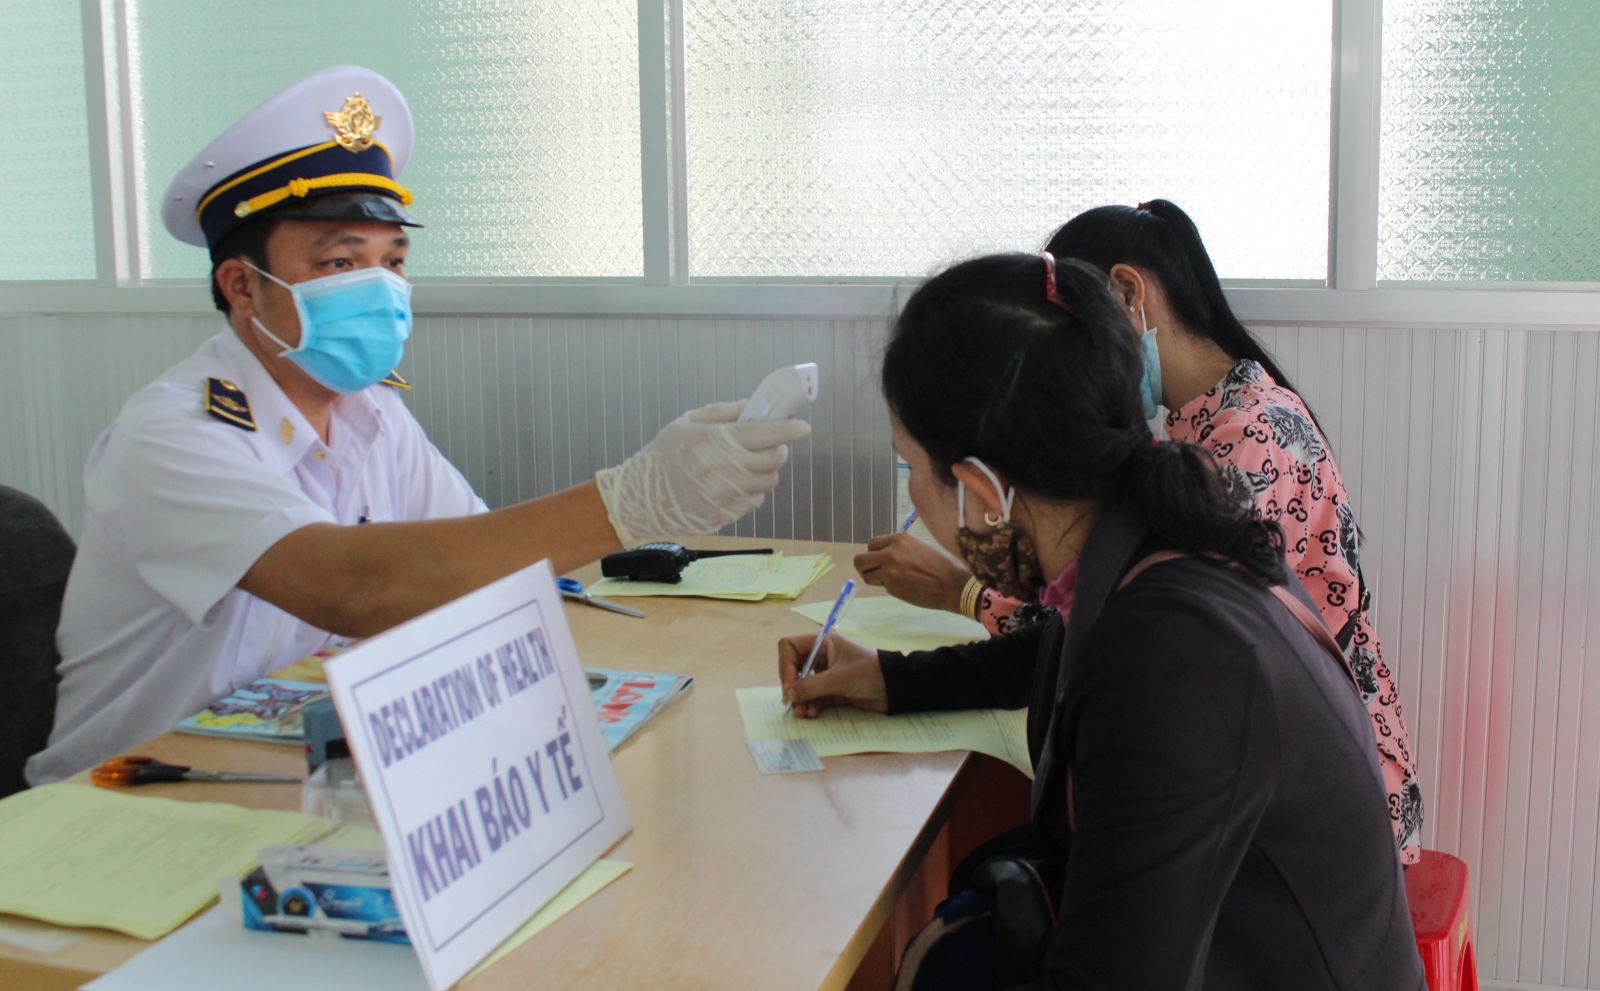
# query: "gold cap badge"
{"type": "Point", "coordinates": [353, 124]}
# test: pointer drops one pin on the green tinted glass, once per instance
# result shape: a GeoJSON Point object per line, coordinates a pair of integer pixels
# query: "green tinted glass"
{"type": "Point", "coordinates": [1490, 156]}
{"type": "Point", "coordinates": [46, 208]}
{"type": "Point", "coordinates": [527, 118]}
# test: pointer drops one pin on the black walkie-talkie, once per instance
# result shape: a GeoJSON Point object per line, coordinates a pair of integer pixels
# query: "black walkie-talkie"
{"type": "Point", "coordinates": [659, 562]}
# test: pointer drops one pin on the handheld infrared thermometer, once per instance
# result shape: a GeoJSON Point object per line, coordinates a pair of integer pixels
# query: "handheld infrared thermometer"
{"type": "Point", "coordinates": [782, 394]}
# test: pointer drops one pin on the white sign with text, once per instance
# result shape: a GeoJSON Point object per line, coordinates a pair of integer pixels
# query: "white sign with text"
{"type": "Point", "coordinates": [483, 761]}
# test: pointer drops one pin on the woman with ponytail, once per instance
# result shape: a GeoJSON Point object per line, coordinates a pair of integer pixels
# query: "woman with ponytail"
{"type": "Point", "coordinates": [1225, 393]}
{"type": "Point", "coordinates": [1197, 740]}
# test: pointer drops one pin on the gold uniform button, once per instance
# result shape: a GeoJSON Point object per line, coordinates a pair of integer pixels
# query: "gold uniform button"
{"type": "Point", "coordinates": [321, 455]}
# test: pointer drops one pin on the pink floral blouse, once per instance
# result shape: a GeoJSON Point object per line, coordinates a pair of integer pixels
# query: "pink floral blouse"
{"type": "Point", "coordinates": [1263, 434]}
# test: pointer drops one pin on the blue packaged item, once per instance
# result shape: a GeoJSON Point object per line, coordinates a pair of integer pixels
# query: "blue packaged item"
{"type": "Point", "coordinates": [321, 890]}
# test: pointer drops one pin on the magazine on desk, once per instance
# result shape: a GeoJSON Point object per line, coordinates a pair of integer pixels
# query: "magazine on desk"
{"type": "Point", "coordinates": [272, 709]}
{"type": "Point", "coordinates": [625, 700]}
{"type": "Point", "coordinates": [269, 709]}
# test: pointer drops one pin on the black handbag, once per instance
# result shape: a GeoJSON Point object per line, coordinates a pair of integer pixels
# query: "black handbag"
{"type": "Point", "coordinates": [991, 933]}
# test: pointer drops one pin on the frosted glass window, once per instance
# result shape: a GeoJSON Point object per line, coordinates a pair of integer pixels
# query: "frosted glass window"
{"type": "Point", "coordinates": [840, 138]}
{"type": "Point", "coordinates": [527, 118]}
{"type": "Point", "coordinates": [46, 201]}
{"type": "Point", "coordinates": [1490, 154]}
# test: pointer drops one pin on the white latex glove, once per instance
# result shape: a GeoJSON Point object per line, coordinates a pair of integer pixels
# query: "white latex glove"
{"type": "Point", "coordinates": [700, 473]}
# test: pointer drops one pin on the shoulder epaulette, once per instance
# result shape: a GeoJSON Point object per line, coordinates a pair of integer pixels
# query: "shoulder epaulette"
{"type": "Point", "coordinates": [228, 403]}
{"type": "Point", "coordinates": [394, 379]}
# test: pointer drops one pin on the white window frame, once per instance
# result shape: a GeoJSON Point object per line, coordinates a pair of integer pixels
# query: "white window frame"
{"type": "Point", "coordinates": [1353, 296]}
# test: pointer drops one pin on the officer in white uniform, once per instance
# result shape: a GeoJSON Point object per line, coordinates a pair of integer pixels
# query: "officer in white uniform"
{"type": "Point", "coordinates": [271, 494]}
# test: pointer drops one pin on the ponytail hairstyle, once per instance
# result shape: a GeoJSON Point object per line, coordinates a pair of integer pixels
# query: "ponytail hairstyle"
{"type": "Point", "coordinates": [1160, 238]}
{"type": "Point", "coordinates": [1027, 364]}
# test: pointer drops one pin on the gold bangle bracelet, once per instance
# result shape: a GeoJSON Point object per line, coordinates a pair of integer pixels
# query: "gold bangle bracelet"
{"type": "Point", "coordinates": [971, 598]}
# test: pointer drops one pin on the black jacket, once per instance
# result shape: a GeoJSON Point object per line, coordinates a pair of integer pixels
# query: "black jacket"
{"type": "Point", "coordinates": [1228, 829]}
{"type": "Point", "coordinates": [35, 557]}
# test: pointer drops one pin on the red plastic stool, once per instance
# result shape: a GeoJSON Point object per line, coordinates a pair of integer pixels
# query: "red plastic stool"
{"type": "Point", "coordinates": [1436, 888]}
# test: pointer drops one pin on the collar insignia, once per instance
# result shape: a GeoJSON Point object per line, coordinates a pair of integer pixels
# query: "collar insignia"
{"type": "Point", "coordinates": [353, 124]}
{"type": "Point", "coordinates": [228, 403]}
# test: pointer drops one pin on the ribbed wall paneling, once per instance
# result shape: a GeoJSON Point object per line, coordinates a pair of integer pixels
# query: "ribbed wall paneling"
{"type": "Point", "coordinates": [62, 380]}
{"type": "Point", "coordinates": [527, 406]}
{"type": "Point", "coordinates": [1471, 456]}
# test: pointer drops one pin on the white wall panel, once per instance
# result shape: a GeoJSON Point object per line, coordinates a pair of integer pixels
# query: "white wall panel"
{"type": "Point", "coordinates": [1471, 455]}
{"type": "Point", "coordinates": [525, 406]}
{"type": "Point", "coordinates": [62, 379]}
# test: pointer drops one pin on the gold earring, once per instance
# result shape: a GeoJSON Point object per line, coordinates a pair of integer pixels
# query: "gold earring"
{"type": "Point", "coordinates": [993, 519]}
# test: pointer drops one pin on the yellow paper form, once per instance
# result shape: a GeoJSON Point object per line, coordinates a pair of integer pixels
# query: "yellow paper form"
{"type": "Point", "coordinates": [308, 668]}
{"type": "Point", "coordinates": [743, 576]}
{"type": "Point", "coordinates": [1001, 733]}
{"type": "Point", "coordinates": [791, 576]}
{"type": "Point", "coordinates": [77, 855]}
{"type": "Point", "coordinates": [883, 622]}
{"type": "Point", "coordinates": [583, 887]}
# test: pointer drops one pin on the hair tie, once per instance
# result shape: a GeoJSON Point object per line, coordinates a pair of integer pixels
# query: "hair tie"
{"type": "Point", "coordinates": [1050, 293]}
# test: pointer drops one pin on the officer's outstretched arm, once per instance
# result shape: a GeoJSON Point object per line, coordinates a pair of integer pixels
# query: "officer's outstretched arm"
{"type": "Point", "coordinates": [701, 472]}
{"type": "Point", "coordinates": [359, 580]}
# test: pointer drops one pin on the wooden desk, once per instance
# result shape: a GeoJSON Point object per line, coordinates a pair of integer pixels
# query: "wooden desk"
{"type": "Point", "coordinates": [739, 881]}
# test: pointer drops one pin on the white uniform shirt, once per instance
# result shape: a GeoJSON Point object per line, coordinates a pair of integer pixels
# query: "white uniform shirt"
{"type": "Point", "coordinates": [180, 505]}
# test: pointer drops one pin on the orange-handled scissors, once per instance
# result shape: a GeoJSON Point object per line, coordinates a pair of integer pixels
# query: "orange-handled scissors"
{"type": "Point", "coordinates": [124, 772]}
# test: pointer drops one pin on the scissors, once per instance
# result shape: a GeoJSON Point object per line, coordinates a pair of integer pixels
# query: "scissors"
{"type": "Point", "coordinates": [125, 772]}
{"type": "Point", "coordinates": [573, 589]}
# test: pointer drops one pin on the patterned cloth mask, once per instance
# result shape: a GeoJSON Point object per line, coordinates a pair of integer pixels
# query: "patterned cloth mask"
{"type": "Point", "coordinates": [1005, 559]}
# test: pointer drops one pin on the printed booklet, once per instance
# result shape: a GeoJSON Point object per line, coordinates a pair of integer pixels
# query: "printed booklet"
{"type": "Point", "coordinates": [625, 700]}
{"type": "Point", "coordinates": [268, 709]}
{"type": "Point", "coordinates": [271, 709]}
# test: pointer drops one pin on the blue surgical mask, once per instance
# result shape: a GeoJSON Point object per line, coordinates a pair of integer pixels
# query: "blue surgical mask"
{"type": "Point", "coordinates": [353, 326]}
{"type": "Point", "coordinates": [1150, 385]}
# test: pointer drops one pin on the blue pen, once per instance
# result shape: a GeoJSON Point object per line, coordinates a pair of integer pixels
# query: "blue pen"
{"type": "Point", "coordinates": [827, 628]}
{"type": "Point", "coordinates": [911, 518]}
